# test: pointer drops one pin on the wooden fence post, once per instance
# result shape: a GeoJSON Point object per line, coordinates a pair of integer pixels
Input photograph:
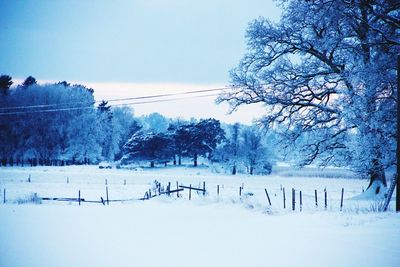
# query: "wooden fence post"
{"type": "Point", "coordinates": [293, 199]}
{"type": "Point", "coordinates": [177, 188]}
{"type": "Point", "coordinates": [284, 198]}
{"type": "Point", "coordinates": [301, 201]}
{"type": "Point", "coordinates": [124, 181]}
{"type": "Point", "coordinates": [316, 198]}
{"type": "Point", "coordinates": [240, 191]}
{"type": "Point", "coordinates": [269, 200]}
{"type": "Point", "coordinates": [169, 188]}
{"type": "Point", "coordinates": [79, 197]}
{"type": "Point", "coordinates": [204, 188]}
{"type": "Point", "coordinates": [106, 181]}
{"type": "Point", "coordinates": [190, 191]}
{"type": "Point", "coordinates": [341, 200]}
{"type": "Point", "coordinates": [67, 180]}
{"type": "Point", "coordinates": [108, 203]}
{"type": "Point", "coordinates": [29, 178]}
{"type": "Point", "coordinates": [326, 198]}
{"type": "Point", "coordinates": [4, 196]}
{"type": "Point", "coordinates": [218, 190]}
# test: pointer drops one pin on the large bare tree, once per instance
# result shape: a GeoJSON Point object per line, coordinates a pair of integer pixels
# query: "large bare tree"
{"type": "Point", "coordinates": [327, 72]}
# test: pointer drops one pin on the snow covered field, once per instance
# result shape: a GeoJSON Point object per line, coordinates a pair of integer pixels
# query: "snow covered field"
{"type": "Point", "coordinates": [211, 230]}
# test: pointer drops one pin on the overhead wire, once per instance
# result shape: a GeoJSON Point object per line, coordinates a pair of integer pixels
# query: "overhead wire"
{"type": "Point", "coordinates": [113, 105]}
{"type": "Point", "coordinates": [119, 99]}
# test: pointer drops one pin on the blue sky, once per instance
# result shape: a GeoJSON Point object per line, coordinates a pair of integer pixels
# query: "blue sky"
{"type": "Point", "coordinates": [126, 41]}
{"type": "Point", "coordinates": [140, 41]}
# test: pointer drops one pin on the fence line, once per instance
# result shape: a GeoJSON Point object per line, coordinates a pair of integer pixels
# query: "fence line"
{"type": "Point", "coordinates": [159, 190]}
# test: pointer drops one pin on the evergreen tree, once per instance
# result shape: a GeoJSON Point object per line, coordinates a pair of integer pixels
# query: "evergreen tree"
{"type": "Point", "coordinates": [105, 116]}
{"type": "Point", "coordinates": [204, 137]}
{"type": "Point", "coordinates": [5, 83]}
{"type": "Point", "coordinates": [29, 81]}
{"type": "Point", "coordinates": [150, 147]}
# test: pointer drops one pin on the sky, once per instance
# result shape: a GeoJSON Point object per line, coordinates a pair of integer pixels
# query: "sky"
{"type": "Point", "coordinates": [125, 48]}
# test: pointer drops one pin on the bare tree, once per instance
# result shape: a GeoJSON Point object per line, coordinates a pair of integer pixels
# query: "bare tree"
{"type": "Point", "coordinates": [327, 71]}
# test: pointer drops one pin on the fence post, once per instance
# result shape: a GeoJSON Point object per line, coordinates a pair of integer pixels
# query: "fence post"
{"type": "Point", "coordinates": [190, 191]}
{"type": "Point", "coordinates": [316, 198]}
{"type": "Point", "coordinates": [108, 203]}
{"type": "Point", "coordinates": [326, 198]}
{"type": "Point", "coordinates": [106, 181]}
{"type": "Point", "coordinates": [301, 201]}
{"type": "Point", "coordinates": [204, 188]}
{"type": "Point", "coordinates": [266, 192]}
{"type": "Point", "coordinates": [341, 200]}
{"type": "Point", "coordinates": [169, 188]}
{"type": "Point", "coordinates": [4, 196]}
{"type": "Point", "coordinates": [284, 198]}
{"type": "Point", "coordinates": [293, 199]}
{"type": "Point", "coordinates": [29, 178]}
{"type": "Point", "coordinates": [124, 181]}
{"type": "Point", "coordinates": [177, 188]}
{"type": "Point", "coordinates": [79, 197]}
{"type": "Point", "coordinates": [240, 191]}
{"type": "Point", "coordinates": [218, 190]}
{"type": "Point", "coordinates": [67, 180]}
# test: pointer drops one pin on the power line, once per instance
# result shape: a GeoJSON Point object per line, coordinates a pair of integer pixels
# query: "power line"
{"type": "Point", "coordinates": [115, 105]}
{"type": "Point", "coordinates": [119, 99]}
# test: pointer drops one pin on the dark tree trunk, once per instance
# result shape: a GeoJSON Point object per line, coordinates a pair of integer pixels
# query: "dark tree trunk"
{"type": "Point", "coordinates": [195, 160]}
{"type": "Point", "coordinates": [234, 170]}
{"type": "Point", "coordinates": [251, 170]}
{"type": "Point", "coordinates": [180, 160]}
{"type": "Point", "coordinates": [377, 173]}
{"type": "Point", "coordinates": [151, 164]}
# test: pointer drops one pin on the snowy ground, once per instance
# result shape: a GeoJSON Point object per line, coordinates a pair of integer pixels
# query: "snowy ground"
{"type": "Point", "coordinates": [224, 230]}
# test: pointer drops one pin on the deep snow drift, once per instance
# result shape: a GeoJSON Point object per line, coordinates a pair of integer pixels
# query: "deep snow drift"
{"type": "Point", "coordinates": [224, 230]}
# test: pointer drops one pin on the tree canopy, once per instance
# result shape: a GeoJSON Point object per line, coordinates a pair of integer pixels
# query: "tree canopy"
{"type": "Point", "coordinates": [327, 71]}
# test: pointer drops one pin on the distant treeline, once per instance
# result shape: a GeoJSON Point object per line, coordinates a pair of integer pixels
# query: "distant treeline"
{"type": "Point", "coordinates": [62, 124]}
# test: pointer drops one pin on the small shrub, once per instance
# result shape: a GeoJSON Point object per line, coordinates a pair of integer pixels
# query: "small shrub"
{"type": "Point", "coordinates": [377, 205]}
{"type": "Point", "coordinates": [32, 198]}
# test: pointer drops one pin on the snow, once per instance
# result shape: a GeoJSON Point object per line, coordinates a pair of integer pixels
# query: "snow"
{"type": "Point", "coordinates": [208, 231]}
{"type": "Point", "coordinates": [370, 193]}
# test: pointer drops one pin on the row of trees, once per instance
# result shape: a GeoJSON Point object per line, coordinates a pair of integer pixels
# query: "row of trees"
{"type": "Point", "coordinates": [58, 123]}
{"type": "Point", "coordinates": [237, 147]}
{"type": "Point", "coordinates": [61, 124]}
{"type": "Point", "coordinates": [180, 140]}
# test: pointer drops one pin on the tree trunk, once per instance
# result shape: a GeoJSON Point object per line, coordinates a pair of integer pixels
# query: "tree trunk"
{"type": "Point", "coordinates": [195, 160]}
{"type": "Point", "coordinates": [180, 160]}
{"type": "Point", "coordinates": [377, 174]}
{"type": "Point", "coordinates": [151, 164]}
{"type": "Point", "coordinates": [234, 170]}
{"type": "Point", "coordinates": [251, 170]}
